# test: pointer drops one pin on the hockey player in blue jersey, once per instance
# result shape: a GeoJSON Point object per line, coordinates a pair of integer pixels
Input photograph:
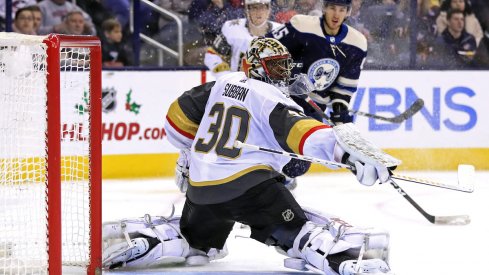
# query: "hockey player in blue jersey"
{"type": "Point", "coordinates": [331, 54]}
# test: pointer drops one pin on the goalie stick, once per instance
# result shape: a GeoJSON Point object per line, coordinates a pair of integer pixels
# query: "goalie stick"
{"type": "Point", "coordinates": [465, 186]}
{"type": "Point", "coordinates": [466, 172]}
{"type": "Point", "coordinates": [447, 220]}
{"type": "Point", "coordinates": [465, 178]}
{"type": "Point", "coordinates": [413, 109]}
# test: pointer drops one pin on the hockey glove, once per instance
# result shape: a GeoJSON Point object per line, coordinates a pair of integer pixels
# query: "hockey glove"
{"type": "Point", "coordinates": [366, 170]}
{"type": "Point", "coordinates": [181, 170]}
{"type": "Point", "coordinates": [340, 113]}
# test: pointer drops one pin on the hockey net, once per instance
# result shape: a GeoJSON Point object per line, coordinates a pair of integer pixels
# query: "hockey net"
{"type": "Point", "coordinates": [50, 154]}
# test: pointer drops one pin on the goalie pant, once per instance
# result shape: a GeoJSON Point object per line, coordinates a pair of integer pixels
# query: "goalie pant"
{"type": "Point", "coordinates": [323, 242]}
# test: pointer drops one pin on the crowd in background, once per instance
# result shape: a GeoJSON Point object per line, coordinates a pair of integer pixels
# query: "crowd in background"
{"type": "Point", "coordinates": [451, 34]}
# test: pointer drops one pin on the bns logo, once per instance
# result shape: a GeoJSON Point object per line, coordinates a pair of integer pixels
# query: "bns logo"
{"type": "Point", "coordinates": [453, 101]}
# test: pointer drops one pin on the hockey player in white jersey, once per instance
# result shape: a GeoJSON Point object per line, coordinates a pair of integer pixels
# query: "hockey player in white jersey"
{"type": "Point", "coordinates": [230, 46]}
{"type": "Point", "coordinates": [227, 184]}
{"type": "Point", "coordinates": [228, 49]}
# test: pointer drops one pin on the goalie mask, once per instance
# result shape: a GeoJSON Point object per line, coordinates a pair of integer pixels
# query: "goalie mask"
{"type": "Point", "coordinates": [269, 61]}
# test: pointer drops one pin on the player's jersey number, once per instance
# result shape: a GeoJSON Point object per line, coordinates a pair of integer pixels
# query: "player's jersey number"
{"type": "Point", "coordinates": [220, 130]}
{"type": "Point", "coordinates": [280, 32]}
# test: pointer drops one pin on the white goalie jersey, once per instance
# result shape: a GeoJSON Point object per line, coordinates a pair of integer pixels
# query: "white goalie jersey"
{"type": "Point", "coordinates": [228, 49]}
{"type": "Point", "coordinates": [210, 118]}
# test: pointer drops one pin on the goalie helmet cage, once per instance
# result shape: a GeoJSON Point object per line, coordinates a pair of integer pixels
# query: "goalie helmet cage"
{"type": "Point", "coordinates": [50, 154]}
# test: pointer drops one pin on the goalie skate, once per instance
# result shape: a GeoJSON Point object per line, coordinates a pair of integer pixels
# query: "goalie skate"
{"type": "Point", "coordinates": [365, 267]}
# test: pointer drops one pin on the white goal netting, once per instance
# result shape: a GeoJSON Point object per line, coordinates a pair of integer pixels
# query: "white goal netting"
{"type": "Point", "coordinates": [24, 152]}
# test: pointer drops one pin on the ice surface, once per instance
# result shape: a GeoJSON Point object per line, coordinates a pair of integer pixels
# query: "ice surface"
{"type": "Point", "coordinates": [417, 246]}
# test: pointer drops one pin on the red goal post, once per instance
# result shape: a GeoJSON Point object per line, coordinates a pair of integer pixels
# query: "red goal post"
{"type": "Point", "coordinates": [50, 154]}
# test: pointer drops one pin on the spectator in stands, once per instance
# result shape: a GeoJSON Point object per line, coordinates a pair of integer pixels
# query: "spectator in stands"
{"type": "Point", "coordinates": [455, 47]}
{"type": "Point", "coordinates": [481, 58]}
{"type": "Point", "coordinates": [75, 24]}
{"type": "Point", "coordinates": [114, 53]}
{"type": "Point", "coordinates": [120, 9]}
{"type": "Point", "coordinates": [53, 12]}
{"type": "Point", "coordinates": [193, 40]}
{"type": "Point", "coordinates": [210, 15]}
{"type": "Point", "coordinates": [24, 22]}
{"type": "Point", "coordinates": [387, 25]}
{"type": "Point", "coordinates": [97, 11]}
{"type": "Point", "coordinates": [481, 10]}
{"type": "Point", "coordinates": [37, 16]}
{"type": "Point", "coordinates": [356, 19]}
{"type": "Point", "coordinates": [309, 7]}
{"type": "Point", "coordinates": [16, 4]}
{"type": "Point", "coordinates": [283, 11]}
{"type": "Point", "coordinates": [472, 25]}
{"type": "Point", "coordinates": [427, 12]}
{"type": "Point", "coordinates": [428, 7]}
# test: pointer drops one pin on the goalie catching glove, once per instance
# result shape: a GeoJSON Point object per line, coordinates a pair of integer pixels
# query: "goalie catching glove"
{"type": "Point", "coordinates": [367, 161]}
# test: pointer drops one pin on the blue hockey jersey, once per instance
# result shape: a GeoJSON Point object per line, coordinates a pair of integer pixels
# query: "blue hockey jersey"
{"type": "Point", "coordinates": [332, 63]}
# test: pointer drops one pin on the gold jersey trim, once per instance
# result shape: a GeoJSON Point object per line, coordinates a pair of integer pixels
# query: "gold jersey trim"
{"type": "Point", "coordinates": [230, 178]}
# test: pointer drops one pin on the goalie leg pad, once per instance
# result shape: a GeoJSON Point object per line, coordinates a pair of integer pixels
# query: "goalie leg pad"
{"type": "Point", "coordinates": [118, 229]}
{"type": "Point", "coordinates": [142, 252]}
{"type": "Point", "coordinates": [325, 235]}
{"type": "Point", "coordinates": [147, 242]}
{"type": "Point", "coordinates": [374, 238]}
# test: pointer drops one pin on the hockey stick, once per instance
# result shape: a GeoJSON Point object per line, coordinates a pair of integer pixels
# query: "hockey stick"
{"type": "Point", "coordinates": [465, 172]}
{"type": "Point", "coordinates": [465, 186]}
{"type": "Point", "coordinates": [466, 175]}
{"type": "Point", "coordinates": [318, 110]}
{"type": "Point", "coordinates": [452, 220]}
{"type": "Point", "coordinates": [448, 220]}
{"type": "Point", "coordinates": [413, 109]}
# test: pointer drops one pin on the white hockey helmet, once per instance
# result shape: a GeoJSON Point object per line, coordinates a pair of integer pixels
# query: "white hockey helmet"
{"type": "Point", "coordinates": [261, 22]}
{"type": "Point", "coordinates": [251, 2]}
{"type": "Point", "coordinates": [269, 61]}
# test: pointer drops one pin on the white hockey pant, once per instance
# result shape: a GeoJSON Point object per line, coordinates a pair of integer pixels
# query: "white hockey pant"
{"type": "Point", "coordinates": [324, 235]}
{"type": "Point", "coordinates": [149, 242]}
